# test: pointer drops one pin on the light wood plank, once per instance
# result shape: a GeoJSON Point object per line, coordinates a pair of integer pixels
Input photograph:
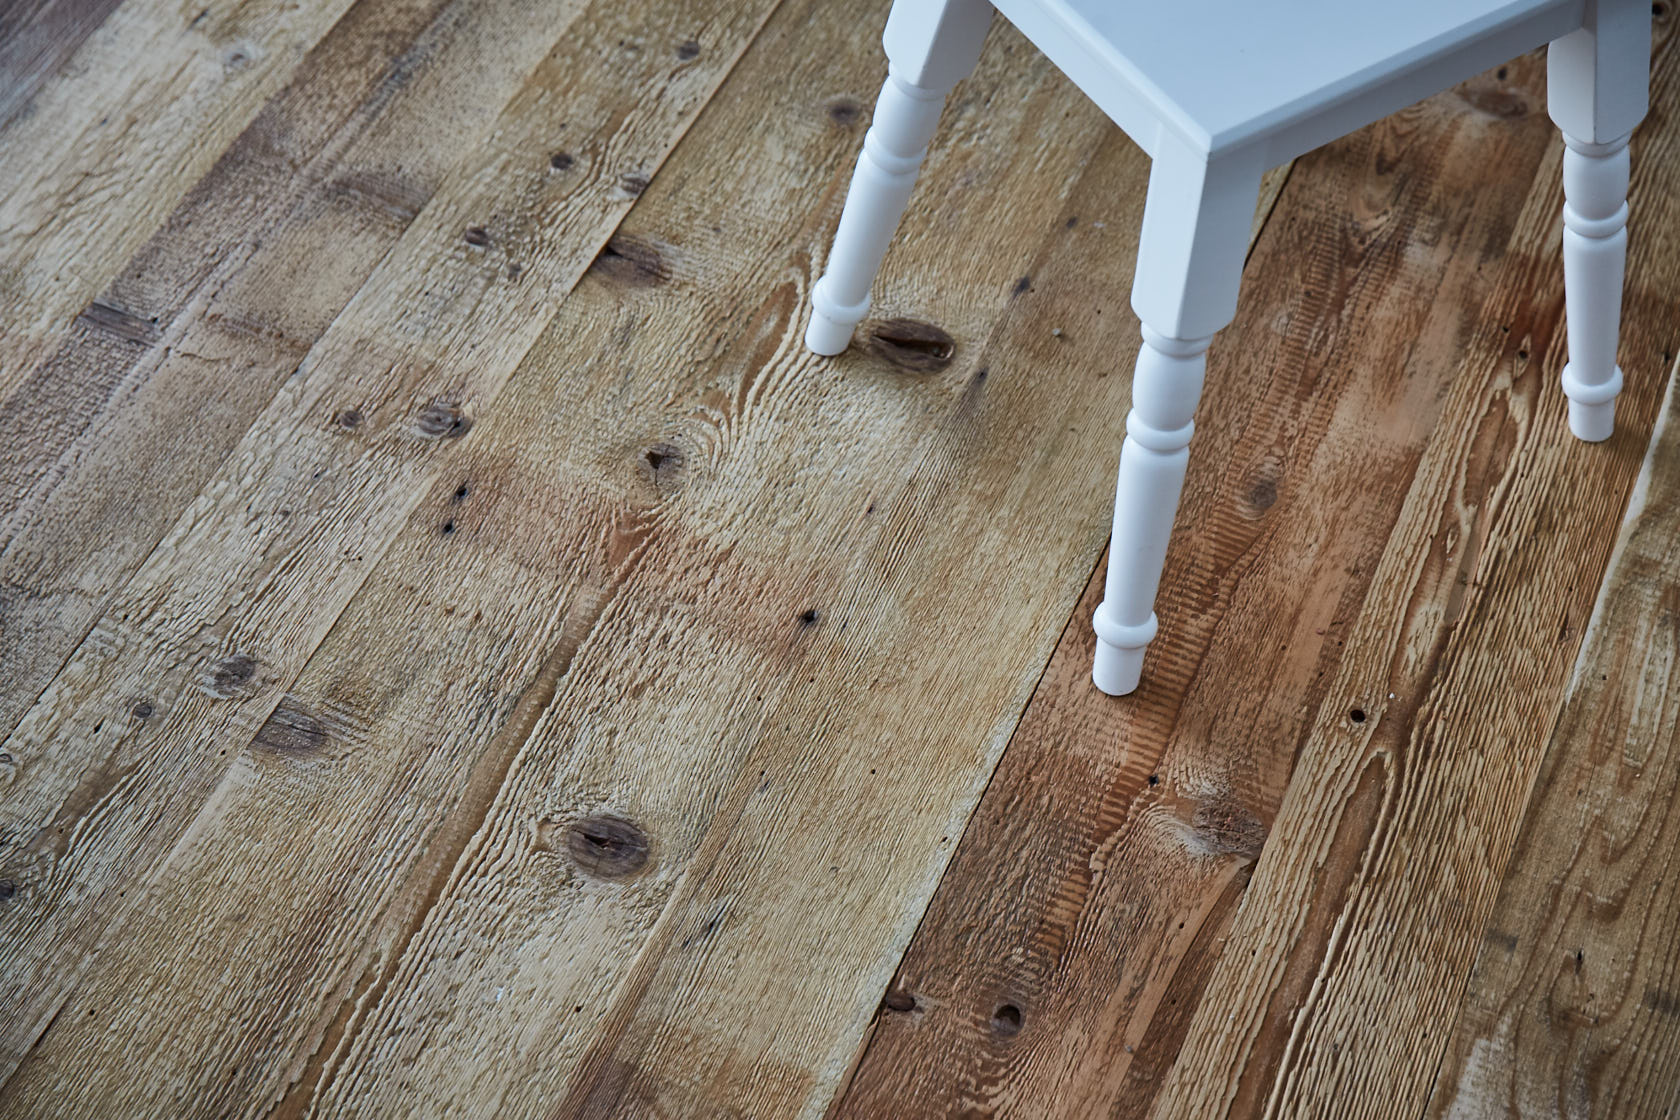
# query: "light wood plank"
{"type": "Point", "coordinates": [1571, 1008]}
{"type": "Point", "coordinates": [191, 658]}
{"type": "Point", "coordinates": [134, 117]}
{"type": "Point", "coordinates": [689, 555]}
{"type": "Point", "coordinates": [113, 435]}
{"type": "Point", "coordinates": [634, 487]}
{"type": "Point", "coordinates": [1057, 967]}
{"type": "Point", "coordinates": [1347, 961]}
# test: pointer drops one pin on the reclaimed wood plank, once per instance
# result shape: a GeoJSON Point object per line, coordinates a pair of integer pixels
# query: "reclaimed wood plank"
{"type": "Point", "coordinates": [113, 139]}
{"type": "Point", "coordinates": [113, 435]}
{"type": "Point", "coordinates": [1338, 988]}
{"type": "Point", "coordinates": [642, 477]}
{"type": "Point", "coordinates": [192, 657]}
{"type": "Point", "coordinates": [36, 37]}
{"type": "Point", "coordinates": [1570, 1009]}
{"type": "Point", "coordinates": [1057, 966]}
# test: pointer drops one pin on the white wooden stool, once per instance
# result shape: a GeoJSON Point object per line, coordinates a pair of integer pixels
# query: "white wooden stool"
{"type": "Point", "coordinates": [1217, 93]}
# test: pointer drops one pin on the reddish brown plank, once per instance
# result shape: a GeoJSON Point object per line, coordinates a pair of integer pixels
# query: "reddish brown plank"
{"type": "Point", "coordinates": [1345, 969]}
{"type": "Point", "coordinates": [1571, 1009]}
{"type": "Point", "coordinates": [1059, 962]}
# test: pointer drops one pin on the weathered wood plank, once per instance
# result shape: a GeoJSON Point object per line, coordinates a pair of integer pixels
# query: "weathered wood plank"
{"type": "Point", "coordinates": [36, 37]}
{"type": "Point", "coordinates": [1058, 964]}
{"type": "Point", "coordinates": [787, 863]}
{"type": "Point", "coordinates": [636, 489]}
{"type": "Point", "coordinates": [111, 437]}
{"type": "Point", "coordinates": [113, 139]}
{"type": "Point", "coordinates": [193, 655]}
{"type": "Point", "coordinates": [1571, 1008]}
{"type": "Point", "coordinates": [1337, 991]}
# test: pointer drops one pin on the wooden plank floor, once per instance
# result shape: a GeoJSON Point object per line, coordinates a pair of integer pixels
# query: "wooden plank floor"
{"type": "Point", "coordinates": [460, 655]}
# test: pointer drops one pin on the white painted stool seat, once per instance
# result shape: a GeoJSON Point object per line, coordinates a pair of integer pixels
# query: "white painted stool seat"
{"type": "Point", "coordinates": [1217, 93]}
{"type": "Point", "coordinates": [1289, 76]}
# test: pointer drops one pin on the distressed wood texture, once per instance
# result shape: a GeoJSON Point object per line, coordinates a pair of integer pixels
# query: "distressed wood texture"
{"type": "Point", "coordinates": [1059, 962]}
{"type": "Point", "coordinates": [109, 766]}
{"type": "Point", "coordinates": [1571, 1009]}
{"type": "Point", "coordinates": [1338, 988]}
{"type": "Point", "coordinates": [36, 36]}
{"type": "Point", "coordinates": [111, 436]}
{"type": "Point", "coordinates": [461, 655]}
{"type": "Point", "coordinates": [131, 119]}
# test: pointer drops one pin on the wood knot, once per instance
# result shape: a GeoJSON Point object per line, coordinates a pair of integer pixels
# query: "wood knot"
{"type": "Point", "coordinates": [809, 618]}
{"type": "Point", "coordinates": [900, 1001]}
{"type": "Point", "coordinates": [631, 261]}
{"type": "Point", "coordinates": [8, 890]}
{"type": "Point", "coordinates": [662, 464]}
{"type": "Point", "coordinates": [442, 420]}
{"type": "Point", "coordinates": [1006, 1020]}
{"type": "Point", "coordinates": [476, 236]}
{"type": "Point", "coordinates": [1260, 495]}
{"type": "Point", "coordinates": [911, 345]}
{"type": "Point", "coordinates": [605, 846]}
{"type": "Point", "coordinates": [290, 730]}
{"type": "Point", "coordinates": [844, 111]}
{"type": "Point", "coordinates": [688, 50]}
{"type": "Point", "coordinates": [1500, 104]}
{"type": "Point", "coordinates": [229, 676]}
{"type": "Point", "coordinates": [349, 419]}
{"type": "Point", "coordinates": [633, 183]}
{"type": "Point", "coordinates": [1225, 827]}
{"type": "Point", "coordinates": [561, 161]}
{"type": "Point", "coordinates": [141, 710]}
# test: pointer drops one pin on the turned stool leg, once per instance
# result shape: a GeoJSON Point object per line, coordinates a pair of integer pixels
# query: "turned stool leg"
{"type": "Point", "coordinates": [931, 45]}
{"type": "Point", "coordinates": [1597, 90]}
{"type": "Point", "coordinates": [1195, 235]}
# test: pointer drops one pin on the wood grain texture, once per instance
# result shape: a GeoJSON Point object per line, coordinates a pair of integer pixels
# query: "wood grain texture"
{"type": "Point", "coordinates": [460, 655]}
{"type": "Point", "coordinates": [129, 122]}
{"type": "Point", "coordinates": [1571, 1008]}
{"type": "Point", "coordinates": [113, 435]}
{"type": "Point", "coordinates": [1338, 988]}
{"type": "Point", "coordinates": [191, 658]}
{"type": "Point", "coordinates": [528, 549]}
{"type": "Point", "coordinates": [36, 37]}
{"type": "Point", "coordinates": [541, 977]}
{"type": "Point", "coordinates": [1058, 964]}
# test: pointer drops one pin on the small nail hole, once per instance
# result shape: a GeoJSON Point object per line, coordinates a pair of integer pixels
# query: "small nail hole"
{"type": "Point", "coordinates": [1006, 1020]}
{"type": "Point", "coordinates": [1357, 715]}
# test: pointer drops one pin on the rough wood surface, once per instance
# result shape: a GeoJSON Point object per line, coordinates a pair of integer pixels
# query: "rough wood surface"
{"type": "Point", "coordinates": [1571, 1009]}
{"type": "Point", "coordinates": [1059, 962]}
{"type": "Point", "coordinates": [109, 766]}
{"type": "Point", "coordinates": [1348, 957]}
{"type": "Point", "coordinates": [459, 655]}
{"type": "Point", "coordinates": [36, 36]}
{"type": "Point", "coordinates": [114, 434]}
{"type": "Point", "coordinates": [135, 116]}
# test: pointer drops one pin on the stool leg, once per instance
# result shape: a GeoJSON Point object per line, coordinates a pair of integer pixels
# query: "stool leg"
{"type": "Point", "coordinates": [931, 45]}
{"type": "Point", "coordinates": [1153, 459]}
{"type": "Point", "coordinates": [1195, 236]}
{"type": "Point", "coordinates": [1597, 91]}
